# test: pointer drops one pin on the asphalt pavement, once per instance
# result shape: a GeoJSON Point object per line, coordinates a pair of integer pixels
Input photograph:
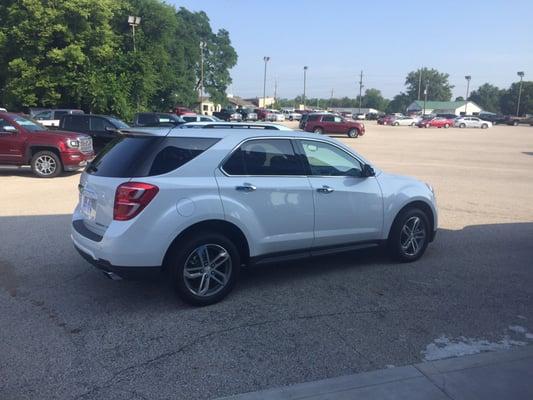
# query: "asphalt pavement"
{"type": "Point", "coordinates": [67, 332]}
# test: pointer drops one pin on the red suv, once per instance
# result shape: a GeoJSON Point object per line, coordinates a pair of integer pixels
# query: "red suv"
{"type": "Point", "coordinates": [49, 152]}
{"type": "Point", "coordinates": [329, 123]}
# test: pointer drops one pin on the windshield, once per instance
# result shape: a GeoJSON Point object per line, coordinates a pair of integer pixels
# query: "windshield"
{"type": "Point", "coordinates": [119, 124]}
{"type": "Point", "coordinates": [29, 124]}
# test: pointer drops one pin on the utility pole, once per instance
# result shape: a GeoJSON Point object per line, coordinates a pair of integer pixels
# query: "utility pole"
{"type": "Point", "coordinates": [331, 98]}
{"type": "Point", "coordinates": [467, 77]}
{"type": "Point", "coordinates": [521, 75]}
{"type": "Point", "coordinates": [425, 97]}
{"type": "Point", "coordinates": [419, 82]}
{"type": "Point", "coordinates": [276, 91]}
{"type": "Point", "coordinates": [360, 91]}
{"type": "Point", "coordinates": [265, 59]}
{"type": "Point", "coordinates": [305, 78]}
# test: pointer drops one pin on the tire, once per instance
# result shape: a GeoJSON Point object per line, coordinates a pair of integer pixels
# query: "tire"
{"type": "Point", "coordinates": [320, 131]}
{"type": "Point", "coordinates": [187, 253]}
{"type": "Point", "coordinates": [427, 125]}
{"type": "Point", "coordinates": [446, 126]}
{"type": "Point", "coordinates": [396, 124]}
{"type": "Point", "coordinates": [515, 123]}
{"type": "Point", "coordinates": [46, 164]}
{"type": "Point", "coordinates": [353, 133]}
{"type": "Point", "coordinates": [290, 118]}
{"type": "Point", "coordinates": [400, 246]}
{"type": "Point", "coordinates": [484, 126]}
{"type": "Point", "coordinates": [462, 125]}
{"type": "Point", "coordinates": [413, 124]}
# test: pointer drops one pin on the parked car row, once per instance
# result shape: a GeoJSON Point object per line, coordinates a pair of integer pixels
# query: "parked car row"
{"type": "Point", "coordinates": [331, 123]}
{"type": "Point", "coordinates": [435, 121]}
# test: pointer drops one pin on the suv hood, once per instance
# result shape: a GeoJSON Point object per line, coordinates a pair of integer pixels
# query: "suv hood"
{"type": "Point", "coordinates": [65, 134]}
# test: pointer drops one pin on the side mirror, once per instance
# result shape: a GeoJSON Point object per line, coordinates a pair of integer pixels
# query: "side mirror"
{"type": "Point", "coordinates": [368, 171]}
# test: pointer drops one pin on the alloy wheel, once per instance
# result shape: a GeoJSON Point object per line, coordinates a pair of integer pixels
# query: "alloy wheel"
{"type": "Point", "coordinates": [45, 165]}
{"type": "Point", "coordinates": [207, 270]}
{"type": "Point", "coordinates": [412, 236]}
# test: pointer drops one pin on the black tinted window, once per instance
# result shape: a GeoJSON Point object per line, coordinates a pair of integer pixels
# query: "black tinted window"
{"type": "Point", "coordinates": [59, 114]}
{"type": "Point", "coordinates": [140, 156]}
{"type": "Point", "coordinates": [99, 124]}
{"type": "Point", "coordinates": [264, 157]}
{"type": "Point", "coordinates": [76, 123]}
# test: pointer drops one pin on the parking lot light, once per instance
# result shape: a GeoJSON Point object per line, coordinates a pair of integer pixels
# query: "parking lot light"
{"type": "Point", "coordinates": [266, 60]}
{"type": "Point", "coordinates": [133, 22]}
{"type": "Point", "coordinates": [521, 75]}
{"type": "Point", "coordinates": [305, 79]}
{"type": "Point", "coordinates": [467, 77]}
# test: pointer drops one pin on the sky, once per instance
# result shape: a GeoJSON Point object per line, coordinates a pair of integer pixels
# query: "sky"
{"type": "Point", "coordinates": [488, 39]}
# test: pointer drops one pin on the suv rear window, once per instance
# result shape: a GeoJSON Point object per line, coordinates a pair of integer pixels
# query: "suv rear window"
{"type": "Point", "coordinates": [141, 156]}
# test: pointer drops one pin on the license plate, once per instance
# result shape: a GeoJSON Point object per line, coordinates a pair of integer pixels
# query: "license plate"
{"type": "Point", "coordinates": [88, 207]}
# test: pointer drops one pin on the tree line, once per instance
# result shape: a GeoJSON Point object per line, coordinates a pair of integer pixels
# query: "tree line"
{"type": "Point", "coordinates": [488, 97]}
{"type": "Point", "coordinates": [80, 53]}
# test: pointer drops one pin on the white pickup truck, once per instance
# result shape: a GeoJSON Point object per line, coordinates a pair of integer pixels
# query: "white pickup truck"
{"type": "Point", "coordinates": [50, 118]}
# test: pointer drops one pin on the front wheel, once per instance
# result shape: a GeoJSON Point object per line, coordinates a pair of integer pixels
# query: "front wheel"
{"type": "Point", "coordinates": [446, 126]}
{"type": "Point", "coordinates": [320, 131]}
{"type": "Point", "coordinates": [409, 236]}
{"type": "Point", "coordinates": [462, 125]}
{"type": "Point", "coordinates": [353, 133]}
{"type": "Point", "coordinates": [46, 164]}
{"type": "Point", "coordinates": [484, 126]}
{"type": "Point", "coordinates": [396, 124]}
{"type": "Point", "coordinates": [205, 268]}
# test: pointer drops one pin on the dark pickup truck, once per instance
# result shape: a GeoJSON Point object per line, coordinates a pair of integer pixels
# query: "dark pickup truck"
{"type": "Point", "coordinates": [49, 152]}
{"type": "Point", "coordinates": [228, 115]}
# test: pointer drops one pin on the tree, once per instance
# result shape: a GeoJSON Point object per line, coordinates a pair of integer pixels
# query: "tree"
{"type": "Point", "coordinates": [399, 103]}
{"type": "Point", "coordinates": [374, 99]}
{"type": "Point", "coordinates": [439, 89]}
{"type": "Point", "coordinates": [79, 53]}
{"type": "Point", "coordinates": [459, 98]}
{"type": "Point", "coordinates": [487, 97]}
{"type": "Point", "coordinates": [509, 99]}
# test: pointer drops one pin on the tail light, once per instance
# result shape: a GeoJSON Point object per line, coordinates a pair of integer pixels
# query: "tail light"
{"type": "Point", "coordinates": [131, 198]}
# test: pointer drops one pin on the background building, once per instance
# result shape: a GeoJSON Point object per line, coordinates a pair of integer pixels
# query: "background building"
{"type": "Point", "coordinates": [444, 107]}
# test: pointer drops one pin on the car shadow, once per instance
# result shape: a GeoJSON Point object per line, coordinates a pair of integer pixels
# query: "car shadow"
{"type": "Point", "coordinates": [528, 153]}
{"type": "Point", "coordinates": [47, 263]}
{"type": "Point", "coordinates": [26, 172]}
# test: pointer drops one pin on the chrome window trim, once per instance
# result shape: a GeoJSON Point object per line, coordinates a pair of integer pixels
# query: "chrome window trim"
{"type": "Point", "coordinates": [221, 164]}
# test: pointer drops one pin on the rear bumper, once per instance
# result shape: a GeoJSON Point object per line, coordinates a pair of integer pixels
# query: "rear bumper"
{"type": "Point", "coordinates": [132, 273]}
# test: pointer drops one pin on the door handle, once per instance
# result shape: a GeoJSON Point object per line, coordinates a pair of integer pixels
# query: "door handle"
{"type": "Point", "coordinates": [247, 187]}
{"type": "Point", "coordinates": [325, 189]}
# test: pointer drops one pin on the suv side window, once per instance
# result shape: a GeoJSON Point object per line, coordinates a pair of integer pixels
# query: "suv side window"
{"type": "Point", "coordinates": [59, 114]}
{"type": "Point", "coordinates": [327, 160]}
{"type": "Point", "coordinates": [76, 123]}
{"type": "Point", "coordinates": [99, 124]}
{"type": "Point", "coordinates": [338, 119]}
{"type": "Point", "coordinates": [264, 157]}
{"type": "Point", "coordinates": [328, 118]}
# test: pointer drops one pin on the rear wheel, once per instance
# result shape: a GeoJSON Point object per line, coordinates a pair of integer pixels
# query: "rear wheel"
{"type": "Point", "coordinates": [462, 125]}
{"type": "Point", "coordinates": [413, 124]}
{"type": "Point", "coordinates": [46, 164]}
{"type": "Point", "coordinates": [204, 267]}
{"type": "Point", "coordinates": [320, 131]}
{"type": "Point", "coordinates": [409, 236]}
{"type": "Point", "coordinates": [515, 123]}
{"type": "Point", "coordinates": [353, 133]}
{"type": "Point", "coordinates": [396, 124]}
{"type": "Point", "coordinates": [446, 126]}
{"type": "Point", "coordinates": [427, 125]}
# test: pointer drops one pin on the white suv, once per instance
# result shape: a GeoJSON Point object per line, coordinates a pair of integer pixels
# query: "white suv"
{"type": "Point", "coordinates": [199, 204]}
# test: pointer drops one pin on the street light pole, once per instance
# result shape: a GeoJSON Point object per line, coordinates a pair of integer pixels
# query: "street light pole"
{"type": "Point", "coordinates": [360, 91]}
{"type": "Point", "coordinates": [202, 47]}
{"type": "Point", "coordinates": [521, 75]}
{"type": "Point", "coordinates": [133, 22]}
{"type": "Point", "coordinates": [419, 82]}
{"type": "Point", "coordinates": [265, 59]}
{"type": "Point", "coordinates": [305, 78]}
{"type": "Point", "coordinates": [425, 97]}
{"type": "Point", "coordinates": [467, 77]}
